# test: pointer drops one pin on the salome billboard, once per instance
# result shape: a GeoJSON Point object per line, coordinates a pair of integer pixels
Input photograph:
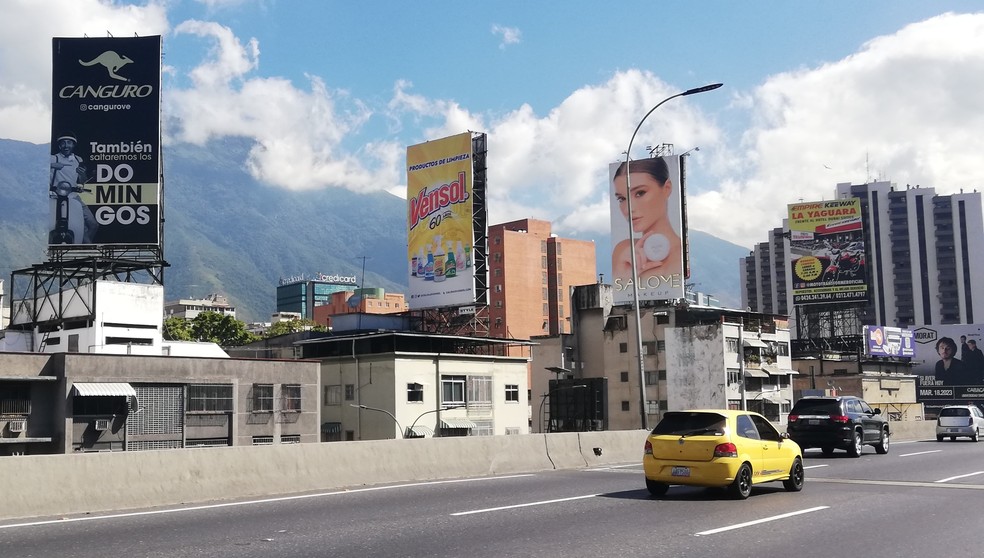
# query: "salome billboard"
{"type": "Point", "coordinates": [440, 239]}
{"type": "Point", "coordinates": [826, 244]}
{"type": "Point", "coordinates": [656, 221]}
{"type": "Point", "coordinates": [104, 169]}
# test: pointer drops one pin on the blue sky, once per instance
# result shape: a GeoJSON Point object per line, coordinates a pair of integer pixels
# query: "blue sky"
{"type": "Point", "coordinates": [332, 92]}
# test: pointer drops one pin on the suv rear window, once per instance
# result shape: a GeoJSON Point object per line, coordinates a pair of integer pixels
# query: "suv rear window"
{"type": "Point", "coordinates": [810, 406]}
{"type": "Point", "coordinates": [683, 423]}
{"type": "Point", "coordinates": [955, 412]}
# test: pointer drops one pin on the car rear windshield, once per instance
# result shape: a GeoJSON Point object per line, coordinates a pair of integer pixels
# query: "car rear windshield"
{"type": "Point", "coordinates": [955, 412]}
{"type": "Point", "coordinates": [690, 423]}
{"type": "Point", "coordinates": [809, 406]}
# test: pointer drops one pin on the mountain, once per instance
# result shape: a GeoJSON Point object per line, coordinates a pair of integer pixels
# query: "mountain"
{"type": "Point", "coordinates": [227, 233]}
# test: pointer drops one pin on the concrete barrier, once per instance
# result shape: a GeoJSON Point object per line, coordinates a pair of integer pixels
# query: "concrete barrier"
{"type": "Point", "coordinates": [54, 485]}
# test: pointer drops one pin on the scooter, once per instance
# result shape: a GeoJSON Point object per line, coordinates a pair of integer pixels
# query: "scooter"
{"type": "Point", "coordinates": [69, 223]}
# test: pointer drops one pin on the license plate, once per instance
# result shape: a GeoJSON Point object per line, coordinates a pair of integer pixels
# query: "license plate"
{"type": "Point", "coordinates": [813, 421]}
{"type": "Point", "coordinates": [951, 429]}
{"type": "Point", "coordinates": [680, 471]}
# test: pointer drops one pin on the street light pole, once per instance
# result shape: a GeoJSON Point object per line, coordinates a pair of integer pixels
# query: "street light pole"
{"type": "Point", "coordinates": [368, 408]}
{"type": "Point", "coordinates": [427, 413]}
{"type": "Point", "coordinates": [632, 254]}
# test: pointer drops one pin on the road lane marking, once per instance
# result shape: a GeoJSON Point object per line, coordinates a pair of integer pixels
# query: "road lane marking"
{"type": "Point", "coordinates": [759, 521]}
{"type": "Point", "coordinates": [919, 453]}
{"type": "Point", "coordinates": [960, 476]}
{"type": "Point", "coordinates": [542, 503]}
{"type": "Point", "coordinates": [910, 484]}
{"type": "Point", "coordinates": [815, 466]}
{"type": "Point", "coordinates": [262, 501]}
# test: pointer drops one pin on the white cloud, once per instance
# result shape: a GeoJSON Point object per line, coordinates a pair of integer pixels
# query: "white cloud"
{"type": "Point", "coordinates": [508, 35]}
{"type": "Point", "coordinates": [26, 29]}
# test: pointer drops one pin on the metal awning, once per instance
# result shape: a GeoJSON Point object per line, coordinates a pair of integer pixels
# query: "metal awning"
{"type": "Point", "coordinates": [775, 398]}
{"type": "Point", "coordinates": [773, 369]}
{"type": "Point", "coordinates": [331, 428]}
{"type": "Point", "coordinates": [790, 372]}
{"type": "Point", "coordinates": [455, 422]}
{"type": "Point", "coordinates": [753, 342]}
{"type": "Point", "coordinates": [756, 373]}
{"type": "Point", "coordinates": [419, 432]}
{"type": "Point", "coordinates": [104, 389]}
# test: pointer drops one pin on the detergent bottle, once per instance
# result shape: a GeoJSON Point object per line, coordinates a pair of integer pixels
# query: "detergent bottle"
{"type": "Point", "coordinates": [429, 266]}
{"type": "Point", "coordinates": [459, 257]}
{"type": "Point", "coordinates": [438, 258]}
{"type": "Point", "coordinates": [450, 265]}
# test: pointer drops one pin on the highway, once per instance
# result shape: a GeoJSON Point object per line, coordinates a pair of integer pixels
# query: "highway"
{"type": "Point", "coordinates": [924, 498]}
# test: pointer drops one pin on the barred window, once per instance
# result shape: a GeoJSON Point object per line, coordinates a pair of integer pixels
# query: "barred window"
{"type": "Point", "coordinates": [480, 390]}
{"type": "Point", "coordinates": [291, 394]}
{"type": "Point", "coordinates": [453, 390]}
{"type": "Point", "coordinates": [15, 398]}
{"type": "Point", "coordinates": [349, 392]}
{"type": "Point", "coordinates": [262, 398]}
{"type": "Point", "coordinates": [209, 397]}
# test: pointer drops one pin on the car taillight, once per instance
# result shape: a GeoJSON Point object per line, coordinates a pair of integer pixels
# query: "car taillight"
{"type": "Point", "coordinates": [792, 418]}
{"type": "Point", "coordinates": [840, 418]}
{"type": "Point", "coordinates": [726, 450]}
{"type": "Point", "coordinates": [649, 448]}
{"type": "Point", "coordinates": [970, 422]}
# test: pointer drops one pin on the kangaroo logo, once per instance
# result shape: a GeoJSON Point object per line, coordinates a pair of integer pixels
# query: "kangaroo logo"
{"type": "Point", "coordinates": [111, 61]}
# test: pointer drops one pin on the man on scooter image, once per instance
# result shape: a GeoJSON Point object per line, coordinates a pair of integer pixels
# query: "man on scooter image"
{"type": "Point", "coordinates": [74, 222]}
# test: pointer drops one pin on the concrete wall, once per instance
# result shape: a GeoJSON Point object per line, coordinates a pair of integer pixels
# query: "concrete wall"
{"type": "Point", "coordinates": [50, 485]}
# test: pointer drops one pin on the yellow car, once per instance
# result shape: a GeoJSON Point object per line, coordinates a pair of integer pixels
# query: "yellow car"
{"type": "Point", "coordinates": [720, 448]}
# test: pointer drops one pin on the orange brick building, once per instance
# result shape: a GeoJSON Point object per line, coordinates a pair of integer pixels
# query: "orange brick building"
{"type": "Point", "coordinates": [531, 272]}
{"type": "Point", "coordinates": [373, 301]}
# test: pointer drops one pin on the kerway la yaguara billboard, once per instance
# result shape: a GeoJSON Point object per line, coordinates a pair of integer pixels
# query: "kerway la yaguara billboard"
{"type": "Point", "coordinates": [104, 169]}
{"type": "Point", "coordinates": [826, 245]}
{"type": "Point", "coordinates": [439, 223]}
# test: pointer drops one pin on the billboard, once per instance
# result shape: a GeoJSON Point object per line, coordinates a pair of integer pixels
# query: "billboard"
{"type": "Point", "coordinates": [889, 341]}
{"type": "Point", "coordinates": [440, 239]}
{"type": "Point", "coordinates": [657, 218]}
{"type": "Point", "coordinates": [826, 244]}
{"type": "Point", "coordinates": [104, 168]}
{"type": "Point", "coordinates": [949, 363]}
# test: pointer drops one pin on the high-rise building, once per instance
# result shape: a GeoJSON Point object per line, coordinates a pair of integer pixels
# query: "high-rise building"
{"type": "Point", "coordinates": [531, 274]}
{"type": "Point", "coordinates": [301, 295]}
{"type": "Point", "coordinates": [922, 253]}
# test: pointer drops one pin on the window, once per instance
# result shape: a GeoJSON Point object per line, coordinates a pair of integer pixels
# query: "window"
{"type": "Point", "coordinates": [291, 394]}
{"type": "Point", "coordinates": [498, 304]}
{"type": "Point", "coordinates": [415, 393]}
{"type": "Point", "coordinates": [453, 390]}
{"type": "Point", "coordinates": [498, 288]}
{"type": "Point", "coordinates": [512, 393]}
{"type": "Point", "coordinates": [262, 440]}
{"type": "Point", "coordinates": [624, 376]}
{"type": "Point", "coordinates": [661, 346]}
{"type": "Point", "coordinates": [734, 376]}
{"type": "Point", "coordinates": [209, 397]}
{"type": "Point", "coordinates": [543, 246]}
{"type": "Point", "coordinates": [480, 391]}
{"type": "Point", "coordinates": [498, 323]}
{"type": "Point", "coordinates": [652, 377]}
{"type": "Point", "coordinates": [543, 261]}
{"type": "Point", "coordinates": [498, 272]}
{"type": "Point", "coordinates": [349, 392]}
{"type": "Point", "coordinates": [652, 407]}
{"type": "Point", "coordinates": [333, 395]}
{"type": "Point", "coordinates": [263, 399]}
{"type": "Point", "coordinates": [623, 347]}
{"type": "Point", "coordinates": [511, 430]}
{"type": "Point", "coordinates": [15, 399]}
{"type": "Point", "coordinates": [649, 348]}
{"type": "Point", "coordinates": [746, 428]}
{"type": "Point", "coordinates": [290, 438]}
{"type": "Point", "coordinates": [731, 344]}
{"type": "Point", "coordinates": [625, 405]}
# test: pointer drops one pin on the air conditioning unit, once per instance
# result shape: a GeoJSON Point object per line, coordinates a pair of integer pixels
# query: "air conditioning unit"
{"type": "Point", "coordinates": [17, 425]}
{"type": "Point", "coordinates": [102, 424]}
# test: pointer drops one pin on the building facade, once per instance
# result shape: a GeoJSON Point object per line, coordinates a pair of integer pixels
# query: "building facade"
{"type": "Point", "coordinates": [921, 254]}
{"type": "Point", "coordinates": [301, 296]}
{"type": "Point", "coordinates": [531, 274]}
{"type": "Point", "coordinates": [360, 301]}
{"type": "Point", "coordinates": [189, 308]}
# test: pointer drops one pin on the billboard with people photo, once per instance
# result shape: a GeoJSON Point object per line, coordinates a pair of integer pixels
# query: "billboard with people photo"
{"type": "Point", "coordinates": [949, 362]}
{"type": "Point", "coordinates": [826, 244]}
{"type": "Point", "coordinates": [657, 229]}
{"type": "Point", "coordinates": [104, 168]}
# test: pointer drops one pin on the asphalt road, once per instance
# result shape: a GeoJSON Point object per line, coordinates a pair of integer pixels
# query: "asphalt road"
{"type": "Point", "coordinates": [922, 499]}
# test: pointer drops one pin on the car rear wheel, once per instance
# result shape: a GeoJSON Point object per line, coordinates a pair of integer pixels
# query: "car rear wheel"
{"type": "Point", "coordinates": [939, 438]}
{"type": "Point", "coordinates": [882, 445]}
{"type": "Point", "coordinates": [858, 446]}
{"type": "Point", "coordinates": [976, 436]}
{"type": "Point", "coordinates": [795, 481]}
{"type": "Point", "coordinates": [953, 438]}
{"type": "Point", "coordinates": [657, 488]}
{"type": "Point", "coordinates": [742, 485]}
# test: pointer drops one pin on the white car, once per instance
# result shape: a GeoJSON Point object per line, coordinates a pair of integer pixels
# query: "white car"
{"type": "Point", "coordinates": [959, 420]}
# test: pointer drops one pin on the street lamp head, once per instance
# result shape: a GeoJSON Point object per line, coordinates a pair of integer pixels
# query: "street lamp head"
{"type": "Point", "coordinates": [703, 89]}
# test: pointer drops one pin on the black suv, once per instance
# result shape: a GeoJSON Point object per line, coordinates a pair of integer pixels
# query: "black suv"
{"type": "Point", "coordinates": [843, 422]}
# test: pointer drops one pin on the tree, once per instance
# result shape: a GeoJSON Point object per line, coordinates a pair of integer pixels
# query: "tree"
{"type": "Point", "coordinates": [293, 326]}
{"type": "Point", "coordinates": [177, 329]}
{"type": "Point", "coordinates": [221, 329]}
